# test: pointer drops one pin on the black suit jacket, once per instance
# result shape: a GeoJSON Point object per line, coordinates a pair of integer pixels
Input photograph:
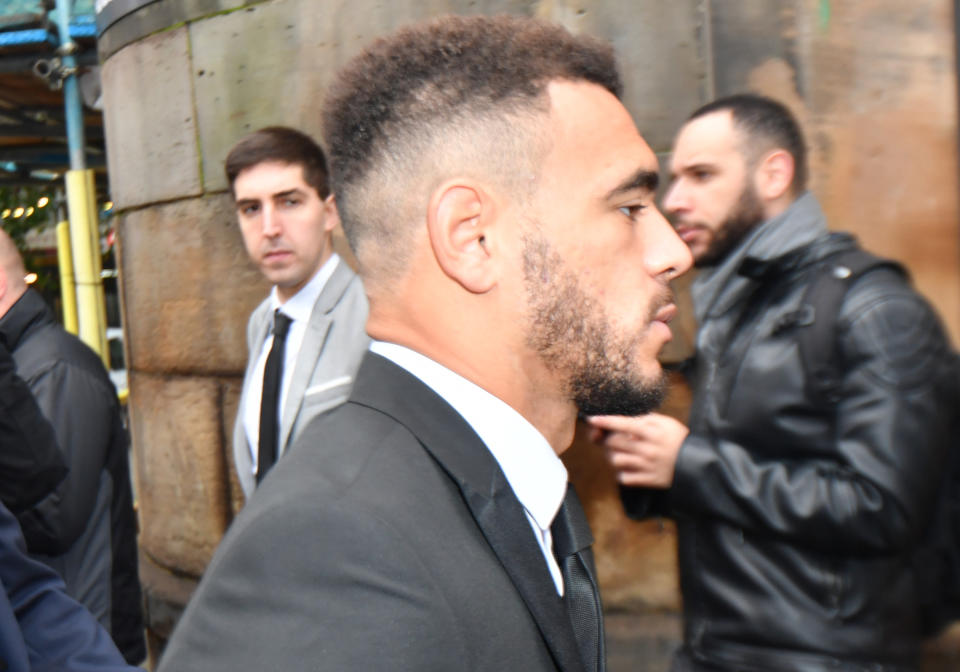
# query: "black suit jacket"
{"type": "Point", "coordinates": [389, 539]}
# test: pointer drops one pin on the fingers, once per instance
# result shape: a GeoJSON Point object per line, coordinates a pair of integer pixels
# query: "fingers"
{"type": "Point", "coordinates": [622, 441]}
{"type": "Point", "coordinates": [639, 469]}
{"type": "Point", "coordinates": [642, 450]}
{"type": "Point", "coordinates": [639, 479]}
{"type": "Point", "coordinates": [623, 423]}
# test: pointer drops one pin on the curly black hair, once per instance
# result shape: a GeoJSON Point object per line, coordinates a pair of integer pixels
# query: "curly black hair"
{"type": "Point", "coordinates": [394, 102]}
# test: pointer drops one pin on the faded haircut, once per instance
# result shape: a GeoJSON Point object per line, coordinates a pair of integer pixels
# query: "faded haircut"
{"type": "Point", "coordinates": [767, 124]}
{"type": "Point", "coordinates": [457, 96]}
{"type": "Point", "coordinates": [283, 145]}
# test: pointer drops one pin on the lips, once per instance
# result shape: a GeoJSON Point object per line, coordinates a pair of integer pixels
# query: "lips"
{"type": "Point", "coordinates": [687, 233]}
{"type": "Point", "coordinates": [666, 313]}
{"type": "Point", "coordinates": [276, 255]}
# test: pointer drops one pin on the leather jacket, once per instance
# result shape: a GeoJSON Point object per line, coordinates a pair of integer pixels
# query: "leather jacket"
{"type": "Point", "coordinates": [796, 520]}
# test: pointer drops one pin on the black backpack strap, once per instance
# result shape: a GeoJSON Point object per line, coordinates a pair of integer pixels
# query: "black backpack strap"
{"type": "Point", "coordinates": [819, 311]}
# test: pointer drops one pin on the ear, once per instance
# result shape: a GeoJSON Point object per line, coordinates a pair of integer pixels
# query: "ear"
{"type": "Point", "coordinates": [331, 216]}
{"type": "Point", "coordinates": [774, 175]}
{"type": "Point", "coordinates": [459, 216]}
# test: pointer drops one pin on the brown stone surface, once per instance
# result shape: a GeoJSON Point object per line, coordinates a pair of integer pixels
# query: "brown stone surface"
{"type": "Point", "coordinates": [180, 470]}
{"type": "Point", "coordinates": [298, 49]}
{"type": "Point", "coordinates": [883, 107]}
{"type": "Point", "coordinates": [875, 86]}
{"type": "Point", "coordinates": [149, 121]}
{"type": "Point", "coordinates": [163, 588]}
{"type": "Point", "coordinates": [660, 59]}
{"type": "Point", "coordinates": [188, 287]}
{"type": "Point", "coordinates": [942, 654]}
{"type": "Point", "coordinates": [231, 401]}
{"type": "Point", "coordinates": [641, 642]}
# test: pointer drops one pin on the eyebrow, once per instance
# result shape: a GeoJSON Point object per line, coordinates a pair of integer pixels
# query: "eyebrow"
{"type": "Point", "coordinates": [296, 191]}
{"type": "Point", "coordinates": [643, 179]}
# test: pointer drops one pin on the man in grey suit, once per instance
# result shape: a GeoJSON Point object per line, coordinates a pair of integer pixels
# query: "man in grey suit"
{"type": "Point", "coordinates": [278, 178]}
{"type": "Point", "coordinates": [500, 202]}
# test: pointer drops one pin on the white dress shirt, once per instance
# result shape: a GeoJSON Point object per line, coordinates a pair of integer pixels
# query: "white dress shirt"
{"type": "Point", "coordinates": [535, 473]}
{"type": "Point", "coordinates": [298, 308]}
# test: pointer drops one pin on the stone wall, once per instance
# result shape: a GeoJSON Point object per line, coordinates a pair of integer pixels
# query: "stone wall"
{"type": "Point", "coordinates": [873, 81]}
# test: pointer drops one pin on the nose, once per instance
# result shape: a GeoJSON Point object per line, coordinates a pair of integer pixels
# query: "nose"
{"type": "Point", "coordinates": [271, 222]}
{"type": "Point", "coordinates": [666, 255]}
{"type": "Point", "coordinates": [675, 199]}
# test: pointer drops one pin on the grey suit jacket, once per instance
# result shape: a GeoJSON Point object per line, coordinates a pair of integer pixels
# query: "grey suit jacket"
{"type": "Point", "coordinates": [388, 539]}
{"type": "Point", "coordinates": [332, 348]}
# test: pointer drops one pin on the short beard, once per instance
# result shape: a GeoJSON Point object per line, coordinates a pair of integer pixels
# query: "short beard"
{"type": "Point", "coordinates": [571, 333]}
{"type": "Point", "coordinates": [745, 216]}
{"type": "Point", "coordinates": [595, 395]}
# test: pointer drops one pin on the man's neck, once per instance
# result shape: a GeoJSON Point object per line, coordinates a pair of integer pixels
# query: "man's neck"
{"type": "Point", "coordinates": [523, 386]}
{"type": "Point", "coordinates": [313, 286]}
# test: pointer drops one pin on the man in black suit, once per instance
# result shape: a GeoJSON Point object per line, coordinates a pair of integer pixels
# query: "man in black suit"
{"type": "Point", "coordinates": [500, 203]}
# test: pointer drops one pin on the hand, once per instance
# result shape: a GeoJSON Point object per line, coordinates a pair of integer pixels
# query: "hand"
{"type": "Point", "coordinates": [642, 450]}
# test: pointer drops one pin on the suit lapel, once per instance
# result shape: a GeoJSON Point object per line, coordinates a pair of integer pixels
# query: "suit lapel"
{"type": "Point", "coordinates": [313, 341]}
{"type": "Point", "coordinates": [382, 385]}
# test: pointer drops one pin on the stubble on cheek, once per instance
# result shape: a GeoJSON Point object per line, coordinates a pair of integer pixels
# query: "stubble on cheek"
{"type": "Point", "coordinates": [572, 334]}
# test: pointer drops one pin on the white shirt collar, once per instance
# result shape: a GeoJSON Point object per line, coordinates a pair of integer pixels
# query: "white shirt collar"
{"type": "Point", "coordinates": [299, 306]}
{"type": "Point", "coordinates": [535, 473]}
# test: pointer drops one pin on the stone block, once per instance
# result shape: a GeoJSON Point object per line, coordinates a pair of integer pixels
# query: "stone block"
{"type": "Point", "coordinates": [942, 653]}
{"type": "Point", "coordinates": [658, 51]}
{"type": "Point", "coordinates": [856, 76]}
{"type": "Point", "coordinates": [744, 34]}
{"type": "Point", "coordinates": [165, 593]}
{"type": "Point", "coordinates": [883, 117]}
{"type": "Point", "coordinates": [641, 641]}
{"type": "Point", "coordinates": [181, 472]}
{"type": "Point", "coordinates": [188, 287]}
{"type": "Point", "coordinates": [299, 49]}
{"type": "Point", "coordinates": [149, 121]}
{"type": "Point", "coordinates": [230, 394]}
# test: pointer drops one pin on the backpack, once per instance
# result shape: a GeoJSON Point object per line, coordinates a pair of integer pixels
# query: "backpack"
{"type": "Point", "coordinates": [936, 563]}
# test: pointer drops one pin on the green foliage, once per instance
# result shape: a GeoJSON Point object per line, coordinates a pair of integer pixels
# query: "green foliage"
{"type": "Point", "coordinates": [21, 199]}
{"type": "Point", "coordinates": [20, 213]}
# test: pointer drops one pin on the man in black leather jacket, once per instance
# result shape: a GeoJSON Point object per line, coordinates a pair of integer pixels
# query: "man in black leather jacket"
{"type": "Point", "coordinates": [796, 520]}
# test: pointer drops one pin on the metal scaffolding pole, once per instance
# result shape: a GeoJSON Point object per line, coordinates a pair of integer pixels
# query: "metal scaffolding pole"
{"type": "Point", "coordinates": [81, 201]}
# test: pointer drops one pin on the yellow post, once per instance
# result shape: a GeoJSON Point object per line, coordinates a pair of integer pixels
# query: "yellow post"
{"type": "Point", "coordinates": [96, 261]}
{"type": "Point", "coordinates": [85, 240]}
{"type": "Point", "coordinates": [68, 288]}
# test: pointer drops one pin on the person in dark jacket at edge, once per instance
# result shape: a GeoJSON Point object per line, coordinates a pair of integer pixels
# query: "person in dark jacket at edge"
{"type": "Point", "coordinates": [796, 521]}
{"type": "Point", "coordinates": [41, 628]}
{"type": "Point", "coordinates": [31, 465]}
{"type": "Point", "coordinates": [85, 529]}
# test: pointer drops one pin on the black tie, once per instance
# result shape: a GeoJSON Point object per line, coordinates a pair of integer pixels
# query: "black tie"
{"type": "Point", "coordinates": [571, 544]}
{"type": "Point", "coordinates": [270, 400]}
